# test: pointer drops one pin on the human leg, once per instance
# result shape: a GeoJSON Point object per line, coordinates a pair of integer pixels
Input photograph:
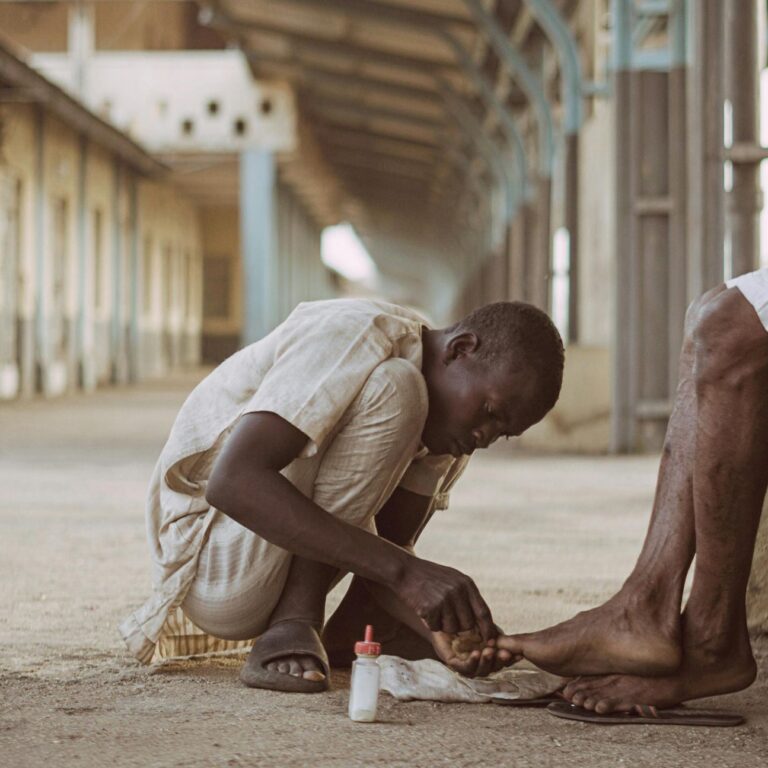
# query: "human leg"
{"type": "Point", "coordinates": [638, 629]}
{"type": "Point", "coordinates": [729, 484]}
{"type": "Point", "coordinates": [358, 472]}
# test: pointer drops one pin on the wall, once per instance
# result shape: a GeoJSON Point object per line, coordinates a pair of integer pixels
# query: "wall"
{"type": "Point", "coordinates": [580, 421]}
{"type": "Point", "coordinates": [83, 221]}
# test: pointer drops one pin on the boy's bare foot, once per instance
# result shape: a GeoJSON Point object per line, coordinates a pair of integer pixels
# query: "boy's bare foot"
{"type": "Point", "coordinates": [625, 635]}
{"type": "Point", "coordinates": [708, 669]}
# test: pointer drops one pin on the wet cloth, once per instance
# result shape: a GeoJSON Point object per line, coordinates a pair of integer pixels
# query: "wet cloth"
{"type": "Point", "coordinates": [312, 371]}
{"type": "Point", "coordinates": [429, 680]}
{"type": "Point", "coordinates": [754, 286]}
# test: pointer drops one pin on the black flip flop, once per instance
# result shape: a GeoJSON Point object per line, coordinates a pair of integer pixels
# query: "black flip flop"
{"type": "Point", "coordinates": [541, 701]}
{"type": "Point", "coordinates": [647, 715]}
{"type": "Point", "coordinates": [288, 638]}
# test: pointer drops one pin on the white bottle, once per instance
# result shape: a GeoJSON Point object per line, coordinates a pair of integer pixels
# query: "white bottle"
{"type": "Point", "coordinates": [364, 686]}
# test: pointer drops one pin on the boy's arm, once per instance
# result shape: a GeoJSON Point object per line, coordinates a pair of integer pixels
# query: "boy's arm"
{"type": "Point", "coordinates": [401, 521]}
{"type": "Point", "coordinates": [246, 485]}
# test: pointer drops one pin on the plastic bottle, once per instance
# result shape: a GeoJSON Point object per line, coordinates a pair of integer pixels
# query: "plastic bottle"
{"type": "Point", "coordinates": [364, 686]}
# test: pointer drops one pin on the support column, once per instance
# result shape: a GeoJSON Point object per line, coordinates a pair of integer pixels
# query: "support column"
{"type": "Point", "coordinates": [706, 220]}
{"type": "Point", "coordinates": [651, 253]}
{"type": "Point", "coordinates": [742, 89]}
{"type": "Point", "coordinates": [623, 425]}
{"type": "Point", "coordinates": [678, 190]}
{"type": "Point", "coordinates": [572, 225]}
{"type": "Point", "coordinates": [85, 377]}
{"type": "Point", "coordinates": [134, 337]}
{"type": "Point", "coordinates": [259, 246]}
{"type": "Point", "coordinates": [119, 361]}
{"type": "Point", "coordinates": [41, 296]}
{"type": "Point", "coordinates": [540, 258]}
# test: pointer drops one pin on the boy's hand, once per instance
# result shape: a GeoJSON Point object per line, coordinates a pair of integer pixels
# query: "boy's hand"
{"type": "Point", "coordinates": [445, 599]}
{"type": "Point", "coordinates": [469, 655]}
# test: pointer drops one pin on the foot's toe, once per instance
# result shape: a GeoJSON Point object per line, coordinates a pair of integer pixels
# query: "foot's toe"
{"type": "Point", "coordinates": [573, 687]}
{"type": "Point", "coordinates": [295, 667]}
{"type": "Point", "coordinates": [311, 668]}
{"type": "Point", "coordinates": [589, 703]}
{"type": "Point", "coordinates": [578, 698]}
{"type": "Point", "coordinates": [604, 707]}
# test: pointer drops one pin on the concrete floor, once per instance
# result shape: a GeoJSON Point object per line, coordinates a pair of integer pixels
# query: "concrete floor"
{"type": "Point", "coordinates": [543, 537]}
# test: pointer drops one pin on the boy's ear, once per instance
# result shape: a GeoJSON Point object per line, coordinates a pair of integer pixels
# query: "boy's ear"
{"type": "Point", "coordinates": [461, 345]}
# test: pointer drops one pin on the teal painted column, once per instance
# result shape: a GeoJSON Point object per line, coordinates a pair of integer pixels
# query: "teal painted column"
{"type": "Point", "coordinates": [258, 238]}
{"type": "Point", "coordinates": [41, 302]}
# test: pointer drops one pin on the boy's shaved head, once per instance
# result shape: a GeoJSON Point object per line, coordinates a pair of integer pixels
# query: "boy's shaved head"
{"type": "Point", "coordinates": [493, 374]}
{"type": "Point", "coordinates": [519, 335]}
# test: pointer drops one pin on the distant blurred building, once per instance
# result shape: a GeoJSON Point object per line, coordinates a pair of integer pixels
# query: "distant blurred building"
{"type": "Point", "coordinates": [120, 233]}
{"type": "Point", "coordinates": [163, 202]}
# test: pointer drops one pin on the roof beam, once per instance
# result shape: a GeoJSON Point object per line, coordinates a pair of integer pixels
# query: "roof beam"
{"type": "Point", "coordinates": [332, 78]}
{"type": "Point", "coordinates": [318, 44]}
{"type": "Point", "coordinates": [385, 13]}
{"type": "Point", "coordinates": [355, 108]}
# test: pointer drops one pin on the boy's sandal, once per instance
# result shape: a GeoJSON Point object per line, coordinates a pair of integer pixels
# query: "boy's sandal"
{"type": "Point", "coordinates": [288, 638]}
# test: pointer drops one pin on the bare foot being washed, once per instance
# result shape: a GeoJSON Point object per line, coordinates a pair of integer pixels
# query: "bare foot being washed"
{"type": "Point", "coordinates": [625, 635]}
{"type": "Point", "coordinates": [709, 668]}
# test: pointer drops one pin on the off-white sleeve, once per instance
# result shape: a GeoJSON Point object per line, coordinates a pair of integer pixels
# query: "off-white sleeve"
{"type": "Point", "coordinates": [318, 369]}
{"type": "Point", "coordinates": [433, 475]}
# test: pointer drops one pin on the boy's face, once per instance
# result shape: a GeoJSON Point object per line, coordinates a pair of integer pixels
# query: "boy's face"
{"type": "Point", "coordinates": [472, 402]}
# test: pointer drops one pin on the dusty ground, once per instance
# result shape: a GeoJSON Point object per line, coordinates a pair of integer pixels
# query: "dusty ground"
{"type": "Point", "coordinates": [543, 537]}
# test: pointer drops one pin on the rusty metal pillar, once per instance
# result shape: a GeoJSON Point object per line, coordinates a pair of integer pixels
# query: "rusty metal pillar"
{"type": "Point", "coordinates": [706, 97]}
{"type": "Point", "coordinates": [742, 90]}
{"type": "Point", "coordinates": [678, 189]}
{"type": "Point", "coordinates": [624, 356]}
{"type": "Point", "coordinates": [538, 275]}
{"type": "Point", "coordinates": [650, 251]}
{"type": "Point", "coordinates": [571, 222]}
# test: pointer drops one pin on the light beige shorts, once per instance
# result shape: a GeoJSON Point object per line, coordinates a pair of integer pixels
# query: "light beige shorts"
{"type": "Point", "coordinates": [754, 286]}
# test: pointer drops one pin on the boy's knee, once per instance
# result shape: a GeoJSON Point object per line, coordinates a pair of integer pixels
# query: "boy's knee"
{"type": "Point", "coordinates": [396, 389]}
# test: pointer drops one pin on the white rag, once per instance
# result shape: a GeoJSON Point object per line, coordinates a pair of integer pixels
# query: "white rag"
{"type": "Point", "coordinates": [429, 680]}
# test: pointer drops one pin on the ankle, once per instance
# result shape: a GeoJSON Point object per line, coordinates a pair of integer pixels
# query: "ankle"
{"type": "Point", "coordinates": [283, 617]}
{"type": "Point", "coordinates": [653, 598]}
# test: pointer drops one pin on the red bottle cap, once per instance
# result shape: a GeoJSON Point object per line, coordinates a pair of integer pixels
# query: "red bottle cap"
{"type": "Point", "coordinates": [368, 647]}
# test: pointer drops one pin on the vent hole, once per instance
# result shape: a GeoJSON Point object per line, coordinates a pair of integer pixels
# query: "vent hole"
{"type": "Point", "coordinates": [266, 106]}
{"type": "Point", "coordinates": [187, 127]}
{"type": "Point", "coordinates": [241, 126]}
{"type": "Point", "coordinates": [213, 107]}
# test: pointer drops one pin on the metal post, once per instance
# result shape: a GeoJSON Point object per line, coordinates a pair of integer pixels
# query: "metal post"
{"type": "Point", "coordinates": [571, 220]}
{"type": "Point", "coordinates": [497, 162]}
{"type": "Point", "coordinates": [521, 73]}
{"type": "Point", "coordinates": [257, 228]}
{"type": "Point", "coordinates": [572, 92]}
{"type": "Point", "coordinates": [742, 78]}
{"type": "Point", "coordinates": [538, 273]}
{"type": "Point", "coordinates": [678, 188]}
{"type": "Point", "coordinates": [41, 295]}
{"type": "Point", "coordinates": [134, 341]}
{"type": "Point", "coordinates": [84, 366]}
{"type": "Point", "coordinates": [118, 348]}
{"type": "Point", "coordinates": [492, 101]}
{"type": "Point", "coordinates": [705, 141]}
{"type": "Point", "coordinates": [625, 338]}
